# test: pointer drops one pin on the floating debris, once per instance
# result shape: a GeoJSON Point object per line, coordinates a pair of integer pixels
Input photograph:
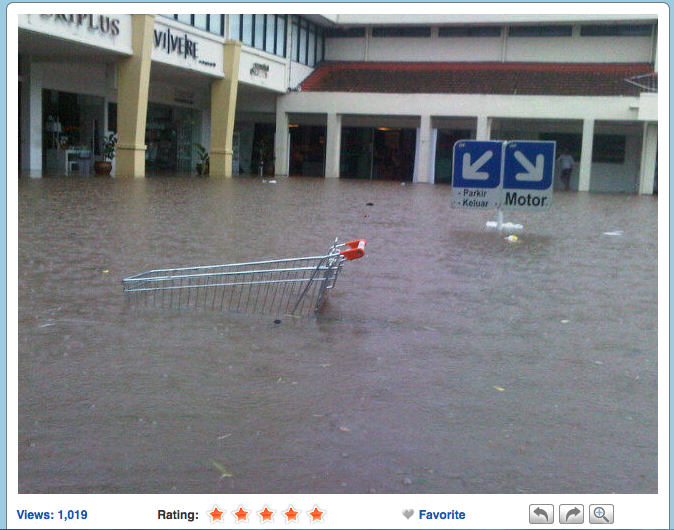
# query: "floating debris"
{"type": "Point", "coordinates": [221, 468]}
{"type": "Point", "coordinates": [500, 389]}
{"type": "Point", "coordinates": [616, 233]}
{"type": "Point", "coordinates": [512, 238]}
{"type": "Point", "coordinates": [507, 226]}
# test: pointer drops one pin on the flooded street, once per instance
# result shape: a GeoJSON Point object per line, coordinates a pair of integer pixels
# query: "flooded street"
{"type": "Point", "coordinates": [447, 360]}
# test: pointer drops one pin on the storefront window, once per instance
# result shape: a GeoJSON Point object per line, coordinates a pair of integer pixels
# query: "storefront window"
{"type": "Point", "coordinates": [201, 21]}
{"type": "Point", "coordinates": [72, 126]}
{"type": "Point", "coordinates": [170, 135]}
{"type": "Point", "coordinates": [259, 32]}
{"type": "Point", "coordinates": [270, 39]}
{"type": "Point", "coordinates": [302, 58]}
{"type": "Point", "coordinates": [247, 30]}
{"type": "Point", "coordinates": [264, 32]}
{"type": "Point", "coordinates": [235, 27]}
{"type": "Point", "coordinates": [609, 148]}
{"type": "Point", "coordinates": [215, 24]}
{"type": "Point", "coordinates": [295, 42]}
{"type": "Point", "coordinates": [280, 35]}
{"type": "Point", "coordinates": [311, 60]}
{"type": "Point", "coordinates": [307, 42]}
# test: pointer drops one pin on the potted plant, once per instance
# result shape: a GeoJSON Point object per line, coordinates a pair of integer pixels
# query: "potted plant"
{"type": "Point", "coordinates": [203, 167]}
{"type": "Point", "coordinates": [266, 157]}
{"type": "Point", "coordinates": [104, 167]}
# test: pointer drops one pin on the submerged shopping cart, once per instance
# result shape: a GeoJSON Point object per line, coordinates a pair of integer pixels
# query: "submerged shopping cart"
{"type": "Point", "coordinates": [295, 286]}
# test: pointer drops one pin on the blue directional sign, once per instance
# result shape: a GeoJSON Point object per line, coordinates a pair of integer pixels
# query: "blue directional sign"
{"type": "Point", "coordinates": [476, 176]}
{"type": "Point", "coordinates": [528, 172]}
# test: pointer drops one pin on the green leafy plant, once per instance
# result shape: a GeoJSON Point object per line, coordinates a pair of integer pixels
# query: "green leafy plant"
{"type": "Point", "coordinates": [202, 153]}
{"type": "Point", "coordinates": [109, 145]}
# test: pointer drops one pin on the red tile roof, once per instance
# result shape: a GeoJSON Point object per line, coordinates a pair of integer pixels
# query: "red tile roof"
{"type": "Point", "coordinates": [559, 79]}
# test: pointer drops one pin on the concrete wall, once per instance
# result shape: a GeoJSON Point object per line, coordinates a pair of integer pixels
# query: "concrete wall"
{"type": "Point", "coordinates": [462, 105]}
{"type": "Point", "coordinates": [579, 49]}
{"type": "Point", "coordinates": [298, 73]}
{"type": "Point", "coordinates": [249, 73]}
{"type": "Point", "coordinates": [345, 49]}
{"type": "Point", "coordinates": [574, 49]}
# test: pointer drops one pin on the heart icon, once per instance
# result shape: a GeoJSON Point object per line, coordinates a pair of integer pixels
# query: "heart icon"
{"type": "Point", "coordinates": [408, 513]}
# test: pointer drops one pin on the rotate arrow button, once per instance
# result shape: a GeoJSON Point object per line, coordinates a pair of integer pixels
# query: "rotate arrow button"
{"type": "Point", "coordinates": [572, 512]}
{"type": "Point", "coordinates": [541, 511]}
{"type": "Point", "coordinates": [541, 514]}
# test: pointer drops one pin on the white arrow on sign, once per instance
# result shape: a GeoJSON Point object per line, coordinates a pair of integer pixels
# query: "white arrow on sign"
{"type": "Point", "coordinates": [470, 171]}
{"type": "Point", "coordinates": [533, 173]}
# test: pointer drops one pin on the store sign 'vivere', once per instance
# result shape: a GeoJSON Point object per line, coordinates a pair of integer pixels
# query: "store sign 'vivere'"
{"type": "Point", "coordinates": [170, 43]}
{"type": "Point", "coordinates": [101, 23]}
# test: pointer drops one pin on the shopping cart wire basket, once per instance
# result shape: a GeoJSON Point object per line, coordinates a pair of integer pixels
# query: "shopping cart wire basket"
{"type": "Point", "coordinates": [294, 286]}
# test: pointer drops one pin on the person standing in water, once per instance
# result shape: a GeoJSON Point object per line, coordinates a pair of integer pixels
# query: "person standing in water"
{"type": "Point", "coordinates": [566, 161]}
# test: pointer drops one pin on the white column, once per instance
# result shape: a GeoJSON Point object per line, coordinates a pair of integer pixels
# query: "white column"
{"type": "Point", "coordinates": [31, 117]}
{"type": "Point", "coordinates": [423, 154]}
{"type": "Point", "coordinates": [483, 128]}
{"type": "Point", "coordinates": [434, 150]}
{"type": "Point", "coordinates": [649, 150]}
{"type": "Point", "coordinates": [281, 141]}
{"type": "Point", "coordinates": [333, 145]}
{"type": "Point", "coordinates": [586, 156]}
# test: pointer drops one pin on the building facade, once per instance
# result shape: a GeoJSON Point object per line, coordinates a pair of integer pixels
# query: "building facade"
{"type": "Point", "coordinates": [337, 96]}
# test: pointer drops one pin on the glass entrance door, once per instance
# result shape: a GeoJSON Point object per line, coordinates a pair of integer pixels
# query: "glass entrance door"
{"type": "Point", "coordinates": [444, 153]}
{"type": "Point", "coordinates": [356, 153]}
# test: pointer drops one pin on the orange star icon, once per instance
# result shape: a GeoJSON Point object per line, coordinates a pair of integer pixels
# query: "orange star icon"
{"type": "Point", "coordinates": [266, 514]}
{"type": "Point", "coordinates": [291, 514]}
{"type": "Point", "coordinates": [216, 514]}
{"type": "Point", "coordinates": [316, 515]}
{"type": "Point", "coordinates": [241, 515]}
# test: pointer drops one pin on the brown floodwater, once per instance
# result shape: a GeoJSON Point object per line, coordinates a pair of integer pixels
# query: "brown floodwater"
{"type": "Point", "coordinates": [447, 360]}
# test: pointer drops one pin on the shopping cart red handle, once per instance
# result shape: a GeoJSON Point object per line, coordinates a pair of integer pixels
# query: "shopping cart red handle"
{"type": "Point", "coordinates": [356, 249]}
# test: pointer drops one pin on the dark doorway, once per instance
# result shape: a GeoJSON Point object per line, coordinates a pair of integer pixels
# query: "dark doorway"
{"type": "Point", "coordinates": [307, 150]}
{"type": "Point", "coordinates": [356, 153]}
{"type": "Point", "coordinates": [394, 152]}
{"type": "Point", "coordinates": [384, 153]}
{"type": "Point", "coordinates": [444, 152]}
{"type": "Point", "coordinates": [262, 156]}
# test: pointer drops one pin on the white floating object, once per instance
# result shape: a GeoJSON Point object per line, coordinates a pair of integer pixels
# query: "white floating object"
{"type": "Point", "coordinates": [512, 238]}
{"type": "Point", "coordinates": [507, 226]}
{"type": "Point", "coordinates": [616, 233]}
{"type": "Point", "coordinates": [269, 181]}
{"type": "Point", "coordinates": [565, 321]}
